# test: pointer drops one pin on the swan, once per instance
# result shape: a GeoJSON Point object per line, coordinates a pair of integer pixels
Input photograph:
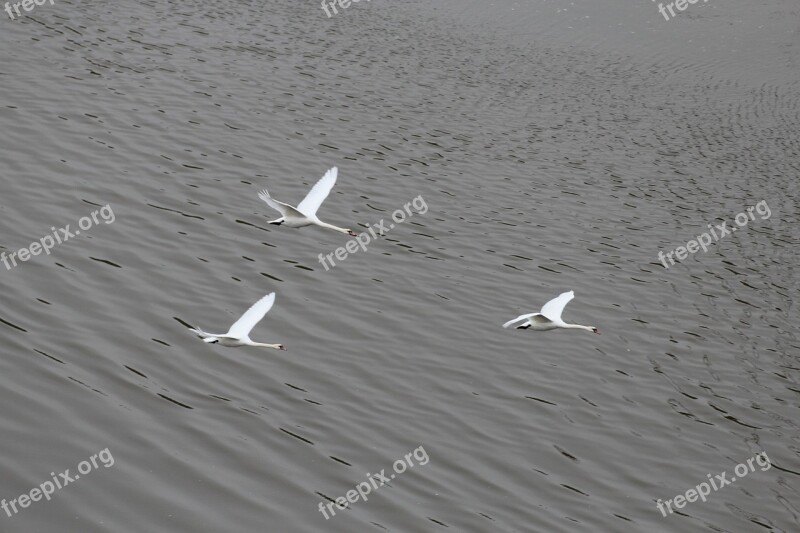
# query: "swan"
{"type": "Point", "coordinates": [550, 316]}
{"type": "Point", "coordinates": [239, 334]}
{"type": "Point", "coordinates": [305, 214]}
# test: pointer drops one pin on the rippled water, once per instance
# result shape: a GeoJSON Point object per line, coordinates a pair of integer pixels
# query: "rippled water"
{"type": "Point", "coordinates": [558, 146]}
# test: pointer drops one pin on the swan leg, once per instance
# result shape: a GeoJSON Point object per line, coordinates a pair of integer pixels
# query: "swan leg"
{"type": "Point", "coordinates": [524, 327]}
{"type": "Point", "coordinates": [276, 222]}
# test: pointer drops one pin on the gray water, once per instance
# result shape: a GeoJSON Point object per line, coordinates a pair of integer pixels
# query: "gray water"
{"type": "Point", "coordinates": [557, 146]}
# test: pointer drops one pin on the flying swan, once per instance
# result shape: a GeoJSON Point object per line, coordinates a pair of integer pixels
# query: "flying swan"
{"type": "Point", "coordinates": [550, 316]}
{"type": "Point", "coordinates": [305, 214]}
{"type": "Point", "coordinates": [239, 334]}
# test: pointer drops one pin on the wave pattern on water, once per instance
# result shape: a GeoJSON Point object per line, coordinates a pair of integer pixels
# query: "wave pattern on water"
{"type": "Point", "coordinates": [545, 166]}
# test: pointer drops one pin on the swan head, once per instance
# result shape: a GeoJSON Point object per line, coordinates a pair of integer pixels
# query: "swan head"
{"type": "Point", "coordinates": [595, 330]}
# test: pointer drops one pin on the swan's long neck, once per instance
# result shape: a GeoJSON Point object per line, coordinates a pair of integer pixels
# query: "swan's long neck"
{"type": "Point", "coordinates": [262, 345]}
{"type": "Point", "coordinates": [331, 226]}
{"type": "Point", "coordinates": [578, 326]}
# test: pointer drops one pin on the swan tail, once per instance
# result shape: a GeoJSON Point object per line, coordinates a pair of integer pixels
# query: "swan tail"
{"type": "Point", "coordinates": [200, 333]}
{"type": "Point", "coordinates": [511, 322]}
{"type": "Point", "coordinates": [521, 317]}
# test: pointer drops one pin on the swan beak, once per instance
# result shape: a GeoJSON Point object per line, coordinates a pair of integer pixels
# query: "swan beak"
{"type": "Point", "coordinates": [596, 331]}
{"type": "Point", "coordinates": [282, 348]}
{"type": "Point", "coordinates": [352, 233]}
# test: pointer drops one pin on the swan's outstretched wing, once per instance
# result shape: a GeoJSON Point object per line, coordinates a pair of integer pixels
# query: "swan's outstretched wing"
{"type": "Point", "coordinates": [318, 193]}
{"type": "Point", "coordinates": [520, 317]}
{"type": "Point", "coordinates": [241, 328]}
{"type": "Point", "coordinates": [284, 209]}
{"type": "Point", "coordinates": [555, 307]}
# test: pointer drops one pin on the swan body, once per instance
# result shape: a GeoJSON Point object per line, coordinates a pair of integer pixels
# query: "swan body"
{"type": "Point", "coordinates": [305, 214]}
{"type": "Point", "coordinates": [550, 316]}
{"type": "Point", "coordinates": [239, 333]}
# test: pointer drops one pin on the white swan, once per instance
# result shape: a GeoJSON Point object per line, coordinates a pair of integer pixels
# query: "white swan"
{"type": "Point", "coordinates": [550, 316]}
{"type": "Point", "coordinates": [239, 334]}
{"type": "Point", "coordinates": [305, 214]}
